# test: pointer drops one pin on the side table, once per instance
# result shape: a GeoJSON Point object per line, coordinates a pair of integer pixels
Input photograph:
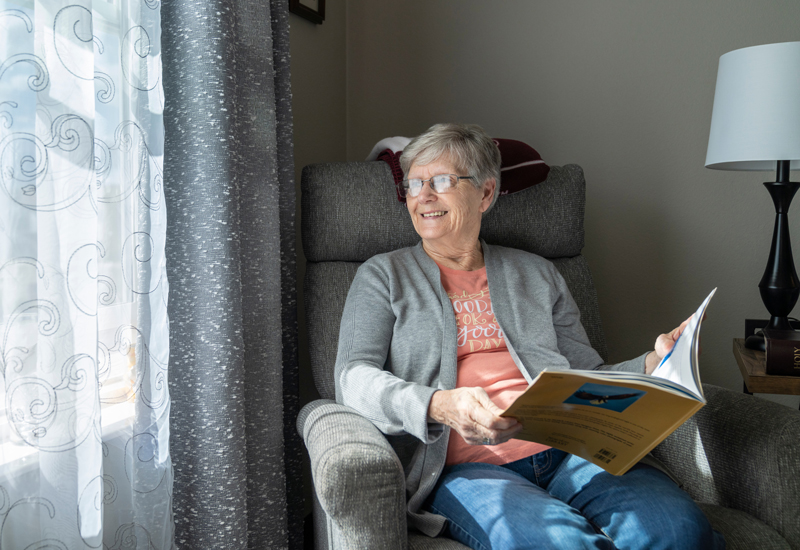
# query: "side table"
{"type": "Point", "coordinates": [752, 365]}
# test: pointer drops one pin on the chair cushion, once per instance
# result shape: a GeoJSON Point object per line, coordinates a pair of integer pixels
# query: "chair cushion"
{"type": "Point", "coordinates": [741, 452]}
{"type": "Point", "coordinates": [742, 531]}
{"type": "Point", "coordinates": [325, 291]}
{"type": "Point", "coordinates": [350, 213]}
{"type": "Point", "coordinates": [546, 219]}
{"type": "Point", "coordinates": [579, 281]}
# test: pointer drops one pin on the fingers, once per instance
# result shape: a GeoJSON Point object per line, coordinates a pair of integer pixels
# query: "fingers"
{"type": "Point", "coordinates": [679, 330]}
{"type": "Point", "coordinates": [477, 434]}
{"type": "Point", "coordinates": [501, 436]}
{"type": "Point", "coordinates": [676, 333]}
{"type": "Point", "coordinates": [473, 415]}
{"type": "Point", "coordinates": [488, 414]}
{"type": "Point", "coordinates": [489, 428]}
{"type": "Point", "coordinates": [665, 343]}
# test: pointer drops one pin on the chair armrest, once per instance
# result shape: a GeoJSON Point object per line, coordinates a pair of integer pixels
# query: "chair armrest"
{"type": "Point", "coordinates": [740, 452]}
{"type": "Point", "coordinates": [358, 478]}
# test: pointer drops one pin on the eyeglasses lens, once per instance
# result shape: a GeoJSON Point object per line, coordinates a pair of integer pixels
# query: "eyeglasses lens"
{"type": "Point", "coordinates": [412, 187]}
{"type": "Point", "coordinates": [441, 184]}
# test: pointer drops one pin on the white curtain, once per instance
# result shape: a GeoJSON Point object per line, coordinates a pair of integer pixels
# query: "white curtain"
{"type": "Point", "coordinates": [84, 405]}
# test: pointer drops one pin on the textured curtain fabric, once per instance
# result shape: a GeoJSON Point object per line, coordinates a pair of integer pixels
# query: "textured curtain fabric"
{"type": "Point", "coordinates": [84, 349]}
{"type": "Point", "coordinates": [231, 260]}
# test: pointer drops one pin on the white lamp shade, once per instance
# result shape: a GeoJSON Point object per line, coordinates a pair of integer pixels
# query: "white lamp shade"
{"type": "Point", "coordinates": [756, 116]}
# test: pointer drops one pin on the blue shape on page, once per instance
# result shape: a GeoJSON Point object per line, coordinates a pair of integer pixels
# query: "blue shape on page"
{"type": "Point", "coordinates": [612, 398]}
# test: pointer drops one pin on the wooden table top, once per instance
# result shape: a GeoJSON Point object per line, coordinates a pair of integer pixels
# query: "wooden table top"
{"type": "Point", "coordinates": [752, 365]}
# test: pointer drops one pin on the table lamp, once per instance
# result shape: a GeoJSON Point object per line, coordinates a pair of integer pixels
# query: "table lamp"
{"type": "Point", "coordinates": [755, 125]}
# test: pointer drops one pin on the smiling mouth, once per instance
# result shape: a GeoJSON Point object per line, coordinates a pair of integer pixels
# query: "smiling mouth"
{"type": "Point", "coordinates": [433, 214]}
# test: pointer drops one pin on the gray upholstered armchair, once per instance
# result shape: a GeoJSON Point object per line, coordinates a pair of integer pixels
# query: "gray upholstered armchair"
{"type": "Point", "coordinates": [739, 456]}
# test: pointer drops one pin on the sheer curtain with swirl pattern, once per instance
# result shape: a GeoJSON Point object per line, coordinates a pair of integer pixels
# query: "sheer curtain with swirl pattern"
{"type": "Point", "coordinates": [84, 403]}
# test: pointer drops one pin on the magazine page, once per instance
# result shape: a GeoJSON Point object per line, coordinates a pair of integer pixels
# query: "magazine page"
{"type": "Point", "coordinates": [681, 365]}
{"type": "Point", "coordinates": [610, 422]}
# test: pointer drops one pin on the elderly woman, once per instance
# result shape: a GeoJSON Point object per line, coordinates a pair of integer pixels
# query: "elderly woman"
{"type": "Point", "coordinates": [437, 339]}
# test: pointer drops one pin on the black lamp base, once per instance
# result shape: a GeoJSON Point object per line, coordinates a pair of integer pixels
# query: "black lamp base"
{"type": "Point", "coordinates": [779, 286]}
{"type": "Point", "coordinates": [756, 342]}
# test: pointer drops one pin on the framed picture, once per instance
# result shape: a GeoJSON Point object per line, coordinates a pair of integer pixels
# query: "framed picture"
{"type": "Point", "coordinates": [313, 10]}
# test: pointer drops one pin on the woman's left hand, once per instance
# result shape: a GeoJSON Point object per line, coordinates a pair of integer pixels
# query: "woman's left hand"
{"type": "Point", "coordinates": [664, 344]}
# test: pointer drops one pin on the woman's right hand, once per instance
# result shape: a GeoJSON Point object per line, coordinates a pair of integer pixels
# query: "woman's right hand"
{"type": "Point", "coordinates": [473, 415]}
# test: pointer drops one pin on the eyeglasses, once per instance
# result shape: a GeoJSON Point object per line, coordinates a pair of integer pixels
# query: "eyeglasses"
{"type": "Point", "coordinates": [442, 183]}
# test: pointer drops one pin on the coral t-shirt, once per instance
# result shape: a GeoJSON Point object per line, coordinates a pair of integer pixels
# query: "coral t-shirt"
{"type": "Point", "coordinates": [483, 361]}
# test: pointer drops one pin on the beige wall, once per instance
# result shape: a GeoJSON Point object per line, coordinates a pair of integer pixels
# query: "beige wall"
{"type": "Point", "coordinates": [622, 88]}
{"type": "Point", "coordinates": [318, 107]}
{"type": "Point", "coordinates": [319, 86]}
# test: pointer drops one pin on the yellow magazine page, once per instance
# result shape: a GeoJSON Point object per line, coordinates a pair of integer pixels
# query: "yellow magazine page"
{"type": "Point", "coordinates": [610, 423]}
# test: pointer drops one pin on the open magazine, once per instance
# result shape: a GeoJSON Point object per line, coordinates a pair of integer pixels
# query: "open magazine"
{"type": "Point", "coordinates": [613, 418]}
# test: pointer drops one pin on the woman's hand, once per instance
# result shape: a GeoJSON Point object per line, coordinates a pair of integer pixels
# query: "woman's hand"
{"type": "Point", "coordinates": [664, 344]}
{"type": "Point", "coordinates": [471, 413]}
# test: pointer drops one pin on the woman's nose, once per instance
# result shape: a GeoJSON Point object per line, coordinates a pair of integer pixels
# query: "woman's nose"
{"type": "Point", "coordinates": [426, 193]}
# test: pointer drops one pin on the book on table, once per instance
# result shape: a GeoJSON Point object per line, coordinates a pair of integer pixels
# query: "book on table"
{"type": "Point", "coordinates": [614, 418]}
{"type": "Point", "coordinates": [782, 352]}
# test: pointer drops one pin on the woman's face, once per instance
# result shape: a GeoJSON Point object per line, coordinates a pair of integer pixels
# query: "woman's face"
{"type": "Point", "coordinates": [451, 219]}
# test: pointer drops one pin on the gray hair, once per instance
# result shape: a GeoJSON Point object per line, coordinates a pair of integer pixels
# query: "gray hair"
{"type": "Point", "coordinates": [467, 146]}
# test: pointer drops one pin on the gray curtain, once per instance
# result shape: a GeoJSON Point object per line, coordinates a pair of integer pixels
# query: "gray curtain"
{"type": "Point", "coordinates": [231, 261]}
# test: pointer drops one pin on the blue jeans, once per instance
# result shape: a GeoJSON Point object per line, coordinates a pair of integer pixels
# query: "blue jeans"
{"type": "Point", "coordinates": [557, 500]}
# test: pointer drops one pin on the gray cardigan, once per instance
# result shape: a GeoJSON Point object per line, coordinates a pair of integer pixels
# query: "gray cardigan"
{"type": "Point", "coordinates": [397, 346]}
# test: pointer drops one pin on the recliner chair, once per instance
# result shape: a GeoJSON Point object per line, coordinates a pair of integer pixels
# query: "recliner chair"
{"type": "Point", "coordinates": [738, 456]}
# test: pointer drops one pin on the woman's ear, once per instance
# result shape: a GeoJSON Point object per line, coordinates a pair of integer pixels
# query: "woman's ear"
{"type": "Point", "coordinates": [488, 193]}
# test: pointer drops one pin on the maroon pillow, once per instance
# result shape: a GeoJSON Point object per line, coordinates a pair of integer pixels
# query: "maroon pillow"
{"type": "Point", "coordinates": [521, 166]}
{"type": "Point", "coordinates": [393, 160]}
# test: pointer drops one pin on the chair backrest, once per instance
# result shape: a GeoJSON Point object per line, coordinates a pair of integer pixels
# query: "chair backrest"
{"type": "Point", "coordinates": [350, 212]}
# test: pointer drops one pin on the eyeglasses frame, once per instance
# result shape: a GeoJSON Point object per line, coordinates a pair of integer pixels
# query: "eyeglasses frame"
{"type": "Point", "coordinates": [405, 187]}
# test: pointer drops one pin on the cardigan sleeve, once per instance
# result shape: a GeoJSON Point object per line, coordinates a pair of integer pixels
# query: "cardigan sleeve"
{"type": "Point", "coordinates": [395, 406]}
